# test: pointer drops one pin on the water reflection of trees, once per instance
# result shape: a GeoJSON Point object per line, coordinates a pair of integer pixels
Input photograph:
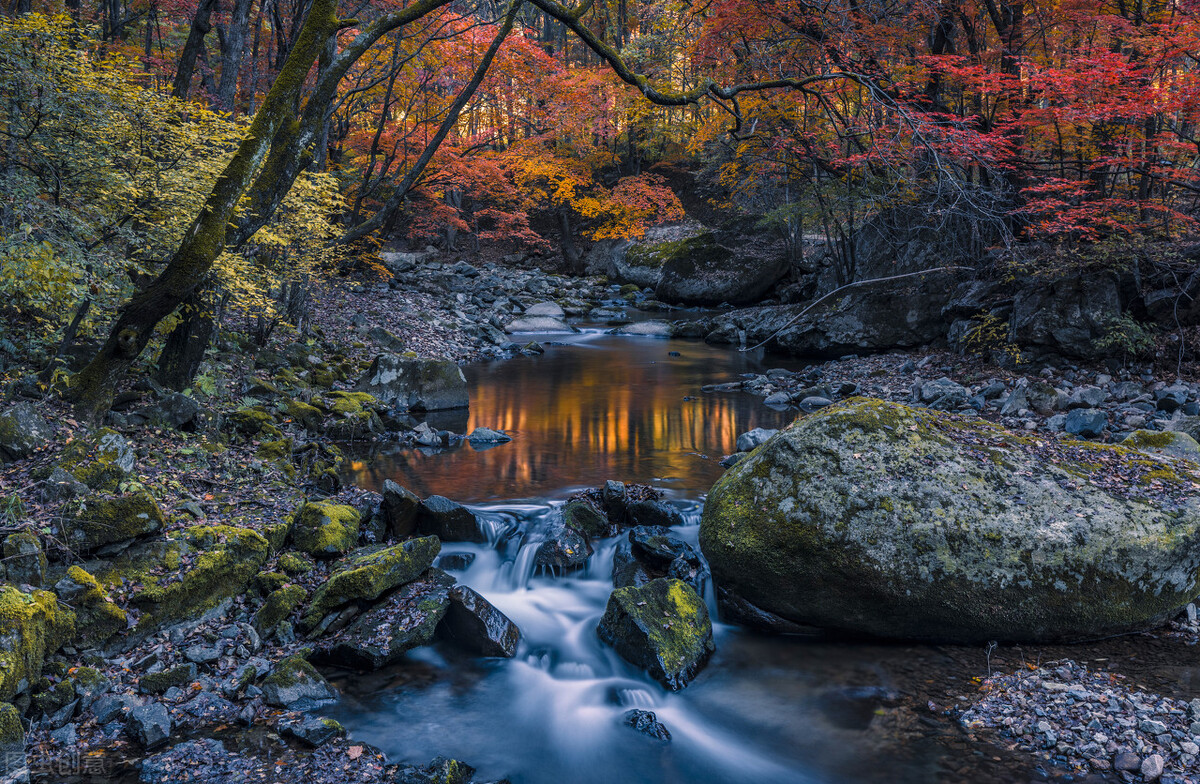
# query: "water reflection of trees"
{"type": "Point", "coordinates": [579, 423]}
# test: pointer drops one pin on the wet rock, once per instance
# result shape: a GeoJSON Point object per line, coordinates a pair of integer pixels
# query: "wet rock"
{"type": "Point", "coordinates": [564, 550]}
{"type": "Point", "coordinates": [1086, 422]}
{"type": "Point", "coordinates": [159, 682]}
{"type": "Point", "coordinates": [749, 440]}
{"type": "Point", "coordinates": [584, 516]}
{"type": "Point", "coordinates": [449, 521]}
{"type": "Point", "coordinates": [646, 723]}
{"type": "Point", "coordinates": [149, 725]}
{"type": "Point", "coordinates": [455, 561]}
{"type": "Point", "coordinates": [550, 309]}
{"type": "Point", "coordinates": [627, 570]}
{"type": "Point", "coordinates": [729, 461]}
{"type": "Point", "coordinates": [22, 431]}
{"type": "Point", "coordinates": [485, 436]}
{"type": "Point", "coordinates": [399, 508]}
{"type": "Point", "coordinates": [295, 682]}
{"type": "Point", "coordinates": [440, 771]}
{"type": "Point", "coordinates": [855, 518]}
{"type": "Point", "coordinates": [665, 555]}
{"type": "Point", "coordinates": [113, 707]}
{"type": "Point", "coordinates": [662, 627]}
{"type": "Point", "coordinates": [326, 529]}
{"type": "Point", "coordinates": [654, 513]}
{"type": "Point", "coordinates": [405, 619]}
{"type": "Point", "coordinates": [368, 573]}
{"type": "Point", "coordinates": [473, 623]}
{"type": "Point", "coordinates": [311, 730]}
{"type": "Point", "coordinates": [101, 521]}
{"type": "Point", "coordinates": [416, 384]}
{"type": "Point", "coordinates": [653, 328]}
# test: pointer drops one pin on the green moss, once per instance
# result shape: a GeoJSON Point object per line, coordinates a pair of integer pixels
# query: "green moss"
{"type": "Point", "coordinates": [278, 606]}
{"type": "Point", "coordinates": [32, 626]}
{"type": "Point", "coordinates": [325, 529]}
{"type": "Point", "coordinates": [684, 255]}
{"type": "Point", "coordinates": [366, 574]}
{"type": "Point", "coordinates": [12, 733]}
{"type": "Point", "coordinates": [97, 617]}
{"type": "Point", "coordinates": [662, 626]}
{"type": "Point", "coordinates": [254, 421]}
{"type": "Point", "coordinates": [266, 582]}
{"type": "Point", "coordinates": [101, 461]}
{"type": "Point", "coordinates": [106, 520]}
{"type": "Point", "coordinates": [159, 682]}
{"type": "Point", "coordinates": [275, 450]}
{"type": "Point", "coordinates": [347, 403]}
{"type": "Point", "coordinates": [227, 559]}
{"type": "Point", "coordinates": [295, 563]}
{"type": "Point", "coordinates": [276, 534]}
{"type": "Point", "coordinates": [308, 417]}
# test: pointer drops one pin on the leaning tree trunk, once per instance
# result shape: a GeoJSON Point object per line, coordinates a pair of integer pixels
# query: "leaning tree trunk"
{"type": "Point", "coordinates": [187, 343]}
{"type": "Point", "coordinates": [201, 24]}
{"type": "Point", "coordinates": [93, 388]}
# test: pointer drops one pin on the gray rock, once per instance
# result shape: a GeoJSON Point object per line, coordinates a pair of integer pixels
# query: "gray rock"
{"type": "Point", "coordinates": [1086, 422]}
{"type": "Point", "coordinates": [812, 403]}
{"type": "Point", "coordinates": [473, 623]}
{"type": "Point", "coordinates": [646, 723]}
{"type": "Point", "coordinates": [1171, 398]}
{"type": "Point", "coordinates": [651, 329]}
{"type": "Point", "coordinates": [1152, 767]}
{"type": "Point", "coordinates": [449, 521]}
{"type": "Point", "coordinates": [855, 518]}
{"type": "Point", "coordinates": [700, 270]}
{"type": "Point", "coordinates": [399, 508]}
{"type": "Point", "coordinates": [751, 439]}
{"type": "Point", "coordinates": [550, 309]}
{"type": "Point", "coordinates": [22, 430]}
{"type": "Point", "coordinates": [656, 513]}
{"type": "Point", "coordinates": [538, 324]}
{"type": "Point", "coordinates": [149, 725]}
{"type": "Point", "coordinates": [1164, 442]}
{"type": "Point", "coordinates": [564, 550]}
{"type": "Point", "coordinates": [485, 435]}
{"type": "Point", "coordinates": [176, 410]}
{"type": "Point", "coordinates": [294, 682]}
{"type": "Point", "coordinates": [311, 730]}
{"type": "Point", "coordinates": [1067, 315]}
{"type": "Point", "coordinates": [416, 384]}
{"type": "Point", "coordinates": [1086, 397]}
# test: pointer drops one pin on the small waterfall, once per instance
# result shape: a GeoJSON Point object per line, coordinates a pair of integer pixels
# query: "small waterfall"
{"type": "Point", "coordinates": [636, 698]}
{"type": "Point", "coordinates": [515, 574]}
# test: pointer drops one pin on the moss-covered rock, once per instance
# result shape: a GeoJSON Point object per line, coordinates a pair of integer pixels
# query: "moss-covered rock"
{"type": "Point", "coordinates": [278, 606]}
{"type": "Point", "coordinates": [1164, 442]}
{"type": "Point", "coordinates": [13, 765]}
{"type": "Point", "coordinates": [326, 529]}
{"type": "Point", "coordinates": [268, 582]}
{"type": "Point", "coordinates": [253, 422]}
{"type": "Point", "coordinates": [662, 627]}
{"type": "Point", "coordinates": [280, 449]}
{"type": "Point", "coordinates": [587, 518]}
{"type": "Point", "coordinates": [100, 521]}
{"type": "Point", "coordinates": [295, 563]}
{"type": "Point", "coordinates": [873, 518]}
{"type": "Point", "coordinates": [97, 618]}
{"type": "Point", "coordinates": [22, 430]}
{"type": "Point", "coordinates": [308, 417]}
{"type": "Point", "coordinates": [368, 573]}
{"type": "Point", "coordinates": [293, 680]}
{"type": "Point", "coordinates": [32, 626]}
{"type": "Point", "coordinates": [24, 559]}
{"type": "Point", "coordinates": [349, 403]}
{"type": "Point", "coordinates": [101, 460]}
{"type": "Point", "coordinates": [416, 384]}
{"type": "Point", "coordinates": [221, 562]}
{"type": "Point", "coordinates": [158, 682]}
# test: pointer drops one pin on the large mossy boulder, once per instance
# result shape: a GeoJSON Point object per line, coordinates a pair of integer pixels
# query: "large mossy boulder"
{"type": "Point", "coordinates": [415, 384]}
{"type": "Point", "coordinates": [874, 518]}
{"type": "Point", "coordinates": [699, 270]}
{"type": "Point", "coordinates": [101, 460]}
{"type": "Point", "coordinates": [207, 565]}
{"type": "Point", "coordinates": [326, 529]}
{"type": "Point", "coordinates": [662, 627]}
{"type": "Point", "coordinates": [32, 626]}
{"type": "Point", "coordinates": [101, 521]}
{"type": "Point", "coordinates": [368, 573]}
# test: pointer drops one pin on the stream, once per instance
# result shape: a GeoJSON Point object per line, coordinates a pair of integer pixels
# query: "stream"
{"type": "Point", "coordinates": [776, 709]}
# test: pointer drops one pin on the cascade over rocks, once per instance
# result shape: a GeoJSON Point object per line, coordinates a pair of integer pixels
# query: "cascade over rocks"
{"type": "Point", "coordinates": [874, 518]}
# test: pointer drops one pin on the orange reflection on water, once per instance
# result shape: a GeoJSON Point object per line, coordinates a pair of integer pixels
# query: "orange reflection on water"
{"type": "Point", "coordinates": [608, 408]}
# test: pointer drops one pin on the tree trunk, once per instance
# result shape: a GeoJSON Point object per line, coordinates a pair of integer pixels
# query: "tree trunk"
{"type": "Point", "coordinates": [233, 45]}
{"type": "Point", "coordinates": [201, 24]}
{"type": "Point", "coordinates": [572, 256]}
{"type": "Point", "coordinates": [93, 388]}
{"type": "Point", "coordinates": [185, 346]}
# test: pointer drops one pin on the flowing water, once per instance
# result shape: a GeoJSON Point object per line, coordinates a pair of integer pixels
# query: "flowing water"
{"type": "Point", "coordinates": [597, 407]}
